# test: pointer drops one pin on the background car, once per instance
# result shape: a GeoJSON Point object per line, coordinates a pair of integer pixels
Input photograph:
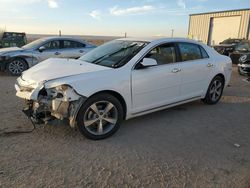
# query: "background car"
{"type": "Point", "coordinates": [122, 79]}
{"type": "Point", "coordinates": [244, 65]}
{"type": "Point", "coordinates": [227, 46]}
{"type": "Point", "coordinates": [241, 49]}
{"type": "Point", "coordinates": [16, 60]}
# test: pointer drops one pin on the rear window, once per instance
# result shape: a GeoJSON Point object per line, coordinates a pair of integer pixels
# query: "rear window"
{"type": "Point", "coordinates": [72, 44]}
{"type": "Point", "coordinates": [191, 52]}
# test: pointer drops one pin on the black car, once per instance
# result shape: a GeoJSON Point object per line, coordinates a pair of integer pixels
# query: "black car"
{"type": "Point", "coordinates": [244, 65]}
{"type": "Point", "coordinates": [228, 46]}
{"type": "Point", "coordinates": [240, 50]}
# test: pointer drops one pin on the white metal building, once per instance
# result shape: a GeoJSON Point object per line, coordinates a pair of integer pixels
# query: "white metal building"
{"type": "Point", "coordinates": [214, 27]}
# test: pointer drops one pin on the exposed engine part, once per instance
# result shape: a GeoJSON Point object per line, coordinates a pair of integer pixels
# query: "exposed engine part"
{"type": "Point", "coordinates": [61, 102]}
{"type": "Point", "coordinates": [73, 111]}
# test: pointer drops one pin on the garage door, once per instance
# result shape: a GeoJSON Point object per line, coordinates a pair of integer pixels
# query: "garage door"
{"type": "Point", "coordinates": [224, 28]}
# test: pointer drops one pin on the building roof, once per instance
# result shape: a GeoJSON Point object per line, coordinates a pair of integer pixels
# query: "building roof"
{"type": "Point", "coordinates": [246, 9]}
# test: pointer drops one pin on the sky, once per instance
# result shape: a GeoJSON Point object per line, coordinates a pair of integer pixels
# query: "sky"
{"type": "Point", "coordinates": [107, 17]}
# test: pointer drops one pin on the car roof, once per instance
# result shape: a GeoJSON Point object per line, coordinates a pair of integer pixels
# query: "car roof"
{"type": "Point", "coordinates": [62, 38]}
{"type": "Point", "coordinates": [157, 39]}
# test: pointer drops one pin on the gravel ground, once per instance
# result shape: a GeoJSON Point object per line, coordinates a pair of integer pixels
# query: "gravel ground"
{"type": "Point", "coordinates": [192, 145]}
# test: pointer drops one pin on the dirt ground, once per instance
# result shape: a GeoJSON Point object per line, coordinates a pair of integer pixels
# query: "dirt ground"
{"type": "Point", "coordinates": [193, 145]}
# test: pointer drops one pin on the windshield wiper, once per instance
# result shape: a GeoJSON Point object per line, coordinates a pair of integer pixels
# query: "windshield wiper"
{"type": "Point", "coordinates": [98, 60]}
{"type": "Point", "coordinates": [123, 61]}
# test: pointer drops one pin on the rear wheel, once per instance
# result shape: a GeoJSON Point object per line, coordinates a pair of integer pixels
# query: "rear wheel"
{"type": "Point", "coordinates": [214, 91]}
{"type": "Point", "coordinates": [17, 66]}
{"type": "Point", "coordinates": [100, 116]}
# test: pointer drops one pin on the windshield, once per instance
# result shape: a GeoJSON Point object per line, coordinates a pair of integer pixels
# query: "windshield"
{"type": "Point", "coordinates": [114, 54]}
{"type": "Point", "coordinates": [33, 44]}
{"type": "Point", "coordinates": [243, 46]}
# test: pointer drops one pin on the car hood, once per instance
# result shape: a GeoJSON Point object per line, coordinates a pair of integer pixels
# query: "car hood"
{"type": "Point", "coordinates": [224, 45]}
{"type": "Point", "coordinates": [55, 68]}
{"type": "Point", "coordinates": [11, 49]}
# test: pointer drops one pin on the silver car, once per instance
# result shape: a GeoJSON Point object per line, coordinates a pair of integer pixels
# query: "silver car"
{"type": "Point", "coordinates": [16, 60]}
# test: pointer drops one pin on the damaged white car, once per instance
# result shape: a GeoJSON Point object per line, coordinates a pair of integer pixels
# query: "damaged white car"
{"type": "Point", "coordinates": [122, 79]}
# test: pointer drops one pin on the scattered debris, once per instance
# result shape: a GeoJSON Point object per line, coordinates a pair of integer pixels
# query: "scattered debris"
{"type": "Point", "coordinates": [246, 80]}
{"type": "Point", "coordinates": [1, 172]}
{"type": "Point", "coordinates": [236, 145]}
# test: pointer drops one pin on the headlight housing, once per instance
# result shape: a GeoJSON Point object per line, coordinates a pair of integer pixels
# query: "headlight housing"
{"type": "Point", "coordinates": [243, 58]}
{"type": "Point", "coordinates": [63, 92]}
{"type": "Point", "coordinates": [62, 87]}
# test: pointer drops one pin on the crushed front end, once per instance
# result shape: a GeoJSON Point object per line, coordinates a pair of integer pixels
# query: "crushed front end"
{"type": "Point", "coordinates": [45, 104]}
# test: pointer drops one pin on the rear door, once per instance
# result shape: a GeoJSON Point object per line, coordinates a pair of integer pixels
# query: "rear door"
{"type": "Point", "coordinates": [73, 49]}
{"type": "Point", "coordinates": [156, 86]}
{"type": "Point", "coordinates": [196, 67]}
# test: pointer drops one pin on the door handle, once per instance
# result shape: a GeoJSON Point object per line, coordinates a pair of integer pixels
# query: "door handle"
{"type": "Point", "coordinates": [210, 65]}
{"type": "Point", "coordinates": [175, 70]}
{"type": "Point", "coordinates": [81, 51]}
{"type": "Point", "coordinates": [57, 53]}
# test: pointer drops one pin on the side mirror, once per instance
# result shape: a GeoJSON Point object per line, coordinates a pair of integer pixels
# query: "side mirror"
{"type": "Point", "coordinates": [41, 49]}
{"type": "Point", "coordinates": [148, 62]}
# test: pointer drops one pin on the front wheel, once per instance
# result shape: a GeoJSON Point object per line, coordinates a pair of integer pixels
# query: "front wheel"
{"type": "Point", "coordinates": [214, 91]}
{"type": "Point", "coordinates": [17, 66]}
{"type": "Point", "coordinates": [100, 116]}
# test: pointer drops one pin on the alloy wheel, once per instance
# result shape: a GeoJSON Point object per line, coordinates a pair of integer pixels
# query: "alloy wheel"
{"type": "Point", "coordinates": [216, 90]}
{"type": "Point", "coordinates": [16, 67]}
{"type": "Point", "coordinates": [100, 118]}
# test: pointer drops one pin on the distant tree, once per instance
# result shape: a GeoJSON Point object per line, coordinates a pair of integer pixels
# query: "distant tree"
{"type": "Point", "coordinates": [1, 32]}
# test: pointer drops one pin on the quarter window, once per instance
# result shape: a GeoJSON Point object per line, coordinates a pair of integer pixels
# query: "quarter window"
{"type": "Point", "coordinates": [204, 53]}
{"type": "Point", "coordinates": [163, 54]}
{"type": "Point", "coordinates": [72, 44]}
{"type": "Point", "coordinates": [190, 51]}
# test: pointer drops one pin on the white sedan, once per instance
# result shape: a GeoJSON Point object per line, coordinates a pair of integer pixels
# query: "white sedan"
{"type": "Point", "coordinates": [123, 79]}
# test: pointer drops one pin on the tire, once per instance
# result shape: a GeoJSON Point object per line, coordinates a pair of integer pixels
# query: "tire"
{"type": "Point", "coordinates": [16, 66]}
{"type": "Point", "coordinates": [100, 116]}
{"type": "Point", "coordinates": [214, 91]}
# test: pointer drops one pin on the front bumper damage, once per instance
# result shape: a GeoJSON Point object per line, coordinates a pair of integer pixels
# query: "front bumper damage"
{"type": "Point", "coordinates": [43, 105]}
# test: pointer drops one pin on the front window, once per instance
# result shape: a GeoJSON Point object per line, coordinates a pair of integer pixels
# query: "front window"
{"type": "Point", "coordinates": [114, 54]}
{"type": "Point", "coordinates": [33, 44]}
{"type": "Point", "coordinates": [52, 45]}
{"type": "Point", "coordinates": [163, 54]}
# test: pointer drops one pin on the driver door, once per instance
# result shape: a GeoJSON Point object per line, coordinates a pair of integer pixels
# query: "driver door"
{"type": "Point", "coordinates": [52, 50]}
{"type": "Point", "coordinates": [157, 86]}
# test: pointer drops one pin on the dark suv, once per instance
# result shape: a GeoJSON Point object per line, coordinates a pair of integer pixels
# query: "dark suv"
{"type": "Point", "coordinates": [227, 46]}
{"type": "Point", "coordinates": [240, 50]}
{"type": "Point", "coordinates": [244, 65]}
{"type": "Point", "coordinates": [13, 39]}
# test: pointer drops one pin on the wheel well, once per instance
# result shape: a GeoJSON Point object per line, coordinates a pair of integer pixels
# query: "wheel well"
{"type": "Point", "coordinates": [222, 76]}
{"type": "Point", "coordinates": [17, 58]}
{"type": "Point", "coordinates": [119, 97]}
